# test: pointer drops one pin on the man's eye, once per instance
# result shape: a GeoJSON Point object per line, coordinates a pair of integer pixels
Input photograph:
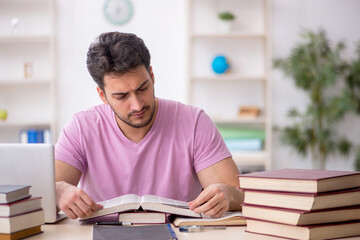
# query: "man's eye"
{"type": "Point", "coordinates": [120, 97]}
{"type": "Point", "coordinates": [143, 89]}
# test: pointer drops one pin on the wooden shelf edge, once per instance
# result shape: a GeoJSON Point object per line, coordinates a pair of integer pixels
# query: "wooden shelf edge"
{"type": "Point", "coordinates": [7, 123]}
{"type": "Point", "coordinates": [41, 38]}
{"type": "Point", "coordinates": [229, 77]}
{"type": "Point", "coordinates": [14, 82]}
{"type": "Point", "coordinates": [229, 35]}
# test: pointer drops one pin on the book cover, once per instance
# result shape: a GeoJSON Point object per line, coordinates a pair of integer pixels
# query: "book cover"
{"type": "Point", "coordinates": [314, 232]}
{"type": "Point", "coordinates": [143, 217]}
{"type": "Point", "coordinates": [303, 201]}
{"type": "Point", "coordinates": [147, 232]}
{"type": "Point", "coordinates": [301, 217]}
{"type": "Point", "coordinates": [22, 221]}
{"type": "Point", "coordinates": [244, 144]}
{"type": "Point", "coordinates": [300, 180]}
{"type": "Point", "coordinates": [20, 206]}
{"type": "Point", "coordinates": [133, 202]}
{"type": "Point", "coordinates": [11, 193]}
{"type": "Point", "coordinates": [228, 219]}
{"type": "Point", "coordinates": [21, 234]}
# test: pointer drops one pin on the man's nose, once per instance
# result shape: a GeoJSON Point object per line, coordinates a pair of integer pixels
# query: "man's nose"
{"type": "Point", "coordinates": [136, 103]}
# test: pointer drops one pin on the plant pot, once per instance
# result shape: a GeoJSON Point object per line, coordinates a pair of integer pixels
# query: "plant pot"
{"type": "Point", "coordinates": [226, 26]}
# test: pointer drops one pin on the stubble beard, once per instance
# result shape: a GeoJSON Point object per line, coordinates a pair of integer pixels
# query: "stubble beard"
{"type": "Point", "coordinates": [139, 125]}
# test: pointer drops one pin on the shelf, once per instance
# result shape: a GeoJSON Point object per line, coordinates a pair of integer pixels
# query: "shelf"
{"type": "Point", "coordinates": [244, 120]}
{"type": "Point", "coordinates": [20, 124]}
{"type": "Point", "coordinates": [25, 38]}
{"type": "Point", "coordinates": [229, 77]}
{"type": "Point", "coordinates": [249, 158]}
{"type": "Point", "coordinates": [22, 82]}
{"type": "Point", "coordinates": [228, 35]}
{"type": "Point", "coordinates": [25, 1]}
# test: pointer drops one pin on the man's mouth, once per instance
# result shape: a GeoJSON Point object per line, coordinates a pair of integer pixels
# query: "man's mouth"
{"type": "Point", "coordinates": [139, 114]}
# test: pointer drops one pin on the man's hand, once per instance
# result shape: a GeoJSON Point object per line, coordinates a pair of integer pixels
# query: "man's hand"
{"type": "Point", "coordinates": [73, 201]}
{"type": "Point", "coordinates": [214, 201]}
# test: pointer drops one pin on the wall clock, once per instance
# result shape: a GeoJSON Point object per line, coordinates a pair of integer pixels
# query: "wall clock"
{"type": "Point", "coordinates": [118, 12]}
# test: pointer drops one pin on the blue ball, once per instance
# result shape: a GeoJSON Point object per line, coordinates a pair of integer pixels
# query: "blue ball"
{"type": "Point", "coordinates": [220, 64]}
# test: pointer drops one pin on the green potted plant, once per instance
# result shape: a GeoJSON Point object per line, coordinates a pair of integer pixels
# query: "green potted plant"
{"type": "Point", "coordinates": [227, 20]}
{"type": "Point", "coordinates": [316, 67]}
{"type": "Point", "coordinates": [353, 87]}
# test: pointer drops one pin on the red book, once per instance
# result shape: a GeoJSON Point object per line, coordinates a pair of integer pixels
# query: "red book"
{"type": "Point", "coordinates": [19, 207]}
{"type": "Point", "coordinates": [301, 217]}
{"type": "Point", "coordinates": [304, 201]}
{"type": "Point", "coordinates": [300, 180]}
{"type": "Point", "coordinates": [314, 232]}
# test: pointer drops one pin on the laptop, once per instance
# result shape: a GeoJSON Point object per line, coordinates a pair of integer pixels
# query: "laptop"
{"type": "Point", "coordinates": [31, 164]}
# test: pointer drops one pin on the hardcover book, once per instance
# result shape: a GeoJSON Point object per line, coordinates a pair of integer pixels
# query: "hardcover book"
{"type": "Point", "coordinates": [133, 202]}
{"type": "Point", "coordinates": [304, 201]}
{"type": "Point", "coordinates": [313, 232]}
{"type": "Point", "coordinates": [22, 221]}
{"type": "Point", "coordinates": [148, 232]}
{"type": "Point", "coordinates": [300, 217]}
{"type": "Point", "coordinates": [21, 206]}
{"type": "Point", "coordinates": [228, 219]}
{"type": "Point", "coordinates": [21, 234]}
{"type": "Point", "coordinates": [12, 193]}
{"type": "Point", "coordinates": [300, 180]}
{"type": "Point", "coordinates": [143, 217]}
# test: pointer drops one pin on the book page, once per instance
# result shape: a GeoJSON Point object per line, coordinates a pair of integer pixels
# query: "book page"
{"type": "Point", "coordinates": [124, 199]}
{"type": "Point", "coordinates": [162, 200]}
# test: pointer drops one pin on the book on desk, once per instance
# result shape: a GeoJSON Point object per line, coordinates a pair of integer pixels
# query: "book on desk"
{"type": "Point", "coordinates": [20, 214]}
{"type": "Point", "coordinates": [150, 209]}
{"type": "Point", "coordinates": [302, 203]}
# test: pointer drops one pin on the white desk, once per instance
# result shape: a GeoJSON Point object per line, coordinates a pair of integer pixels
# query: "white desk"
{"type": "Point", "coordinates": [73, 230]}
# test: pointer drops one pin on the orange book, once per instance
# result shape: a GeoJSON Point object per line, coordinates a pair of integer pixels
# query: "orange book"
{"type": "Point", "coordinates": [21, 234]}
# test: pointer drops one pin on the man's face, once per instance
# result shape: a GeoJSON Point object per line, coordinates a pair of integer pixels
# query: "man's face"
{"type": "Point", "coordinates": [131, 96]}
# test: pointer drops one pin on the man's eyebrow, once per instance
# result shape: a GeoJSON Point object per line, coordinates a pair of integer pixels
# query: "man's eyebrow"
{"type": "Point", "coordinates": [123, 93]}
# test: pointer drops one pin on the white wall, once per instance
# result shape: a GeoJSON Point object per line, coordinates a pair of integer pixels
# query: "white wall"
{"type": "Point", "coordinates": [340, 19]}
{"type": "Point", "coordinates": [161, 23]}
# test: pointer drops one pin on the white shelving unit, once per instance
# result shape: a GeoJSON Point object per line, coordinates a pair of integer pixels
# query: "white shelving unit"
{"type": "Point", "coordinates": [247, 47]}
{"type": "Point", "coordinates": [29, 98]}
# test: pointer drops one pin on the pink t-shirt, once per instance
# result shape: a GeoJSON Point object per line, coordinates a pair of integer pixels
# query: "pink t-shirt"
{"type": "Point", "coordinates": [182, 141]}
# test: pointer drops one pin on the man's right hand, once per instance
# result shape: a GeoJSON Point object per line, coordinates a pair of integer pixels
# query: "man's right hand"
{"type": "Point", "coordinates": [73, 201]}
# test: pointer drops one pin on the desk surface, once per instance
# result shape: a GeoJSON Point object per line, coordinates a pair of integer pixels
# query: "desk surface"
{"type": "Point", "coordinates": [72, 229]}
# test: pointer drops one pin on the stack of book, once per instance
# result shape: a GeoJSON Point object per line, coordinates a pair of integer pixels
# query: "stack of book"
{"type": "Point", "coordinates": [21, 215]}
{"type": "Point", "coordinates": [302, 204]}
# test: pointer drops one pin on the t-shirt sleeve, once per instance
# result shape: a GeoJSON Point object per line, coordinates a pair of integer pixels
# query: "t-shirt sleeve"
{"type": "Point", "coordinates": [68, 148]}
{"type": "Point", "coordinates": [209, 147]}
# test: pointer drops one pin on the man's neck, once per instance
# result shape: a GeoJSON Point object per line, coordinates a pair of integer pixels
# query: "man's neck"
{"type": "Point", "coordinates": [137, 134]}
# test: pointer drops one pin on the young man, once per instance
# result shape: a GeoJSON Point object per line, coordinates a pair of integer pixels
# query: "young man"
{"type": "Point", "coordinates": [137, 143]}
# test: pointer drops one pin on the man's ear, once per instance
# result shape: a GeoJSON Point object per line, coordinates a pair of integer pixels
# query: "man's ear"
{"type": "Point", "coordinates": [152, 74]}
{"type": "Point", "coordinates": [101, 94]}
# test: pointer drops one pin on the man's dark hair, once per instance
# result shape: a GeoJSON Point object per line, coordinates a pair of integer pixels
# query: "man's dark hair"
{"type": "Point", "coordinates": [116, 53]}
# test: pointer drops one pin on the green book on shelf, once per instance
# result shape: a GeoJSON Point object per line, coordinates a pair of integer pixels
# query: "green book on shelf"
{"type": "Point", "coordinates": [241, 133]}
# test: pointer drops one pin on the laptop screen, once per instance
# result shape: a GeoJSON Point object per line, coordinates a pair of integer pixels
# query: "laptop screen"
{"type": "Point", "coordinates": [31, 164]}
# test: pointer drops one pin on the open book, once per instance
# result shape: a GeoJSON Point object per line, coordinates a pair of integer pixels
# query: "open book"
{"type": "Point", "coordinates": [132, 202]}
